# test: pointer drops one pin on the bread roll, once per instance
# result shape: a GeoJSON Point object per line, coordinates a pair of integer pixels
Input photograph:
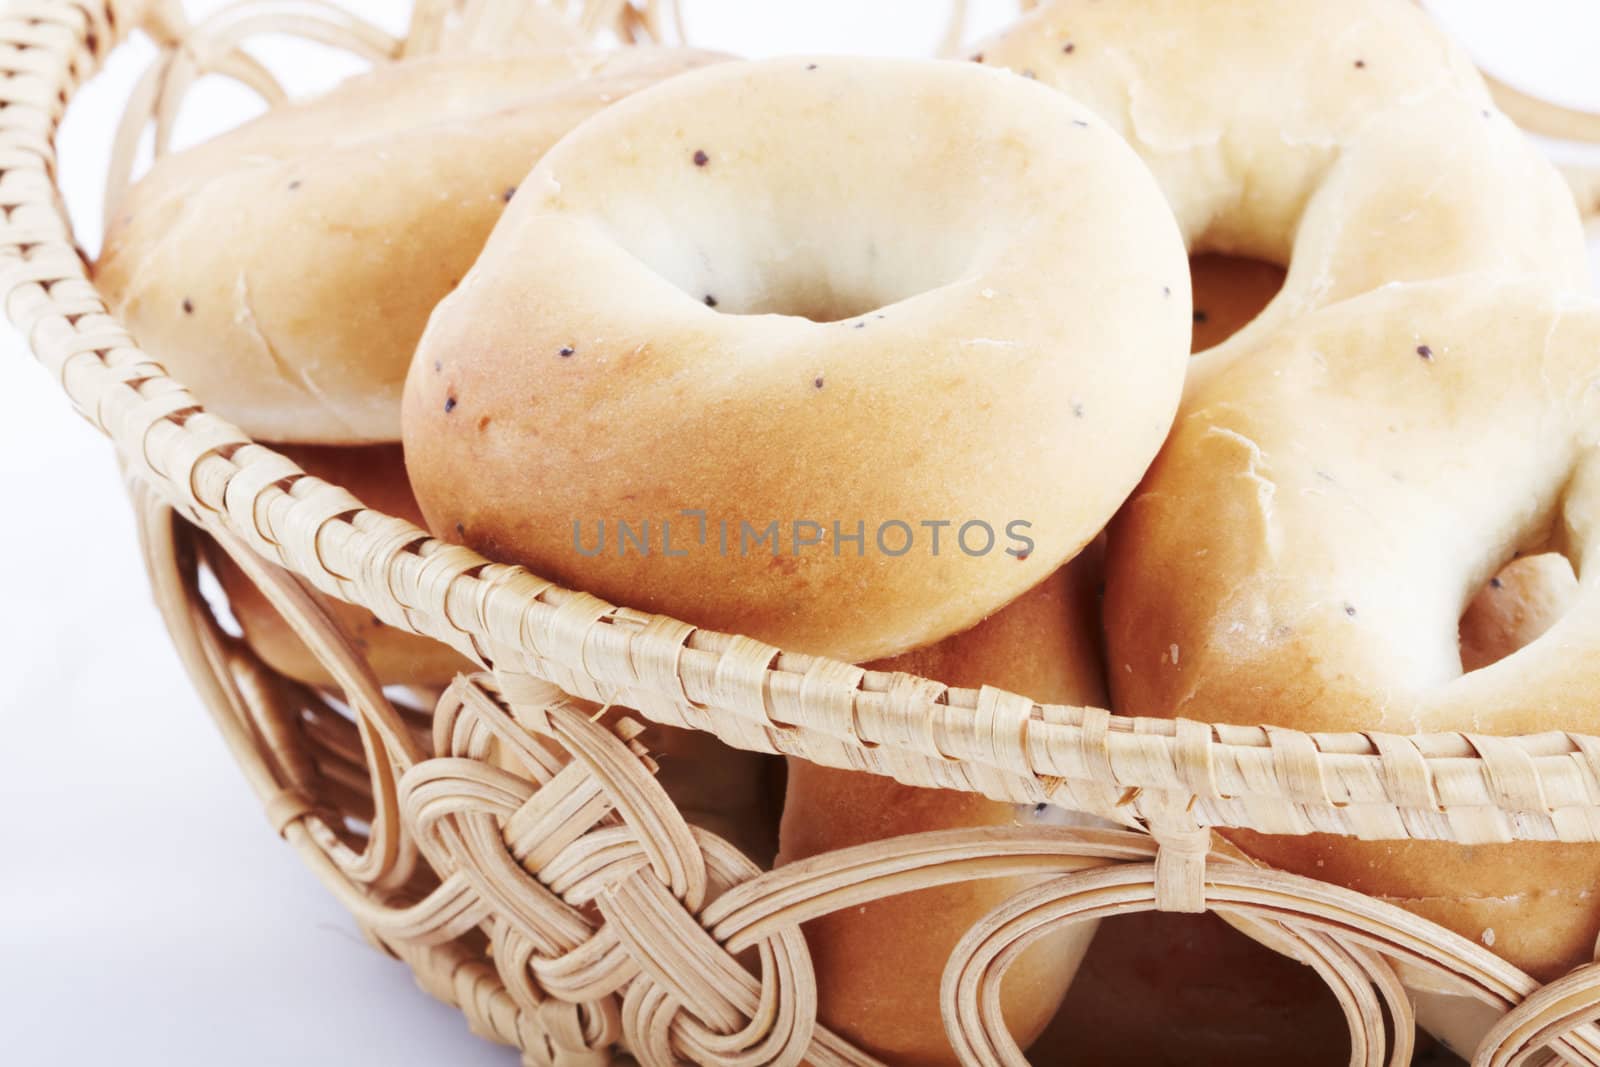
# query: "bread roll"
{"type": "Point", "coordinates": [284, 270]}
{"type": "Point", "coordinates": [1302, 552]}
{"type": "Point", "coordinates": [725, 790]}
{"type": "Point", "coordinates": [1176, 990]}
{"type": "Point", "coordinates": [1350, 141]}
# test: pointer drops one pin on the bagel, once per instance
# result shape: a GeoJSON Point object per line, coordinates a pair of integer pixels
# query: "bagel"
{"type": "Point", "coordinates": [1350, 142]}
{"type": "Point", "coordinates": [835, 296]}
{"type": "Point", "coordinates": [1302, 551]}
{"type": "Point", "coordinates": [347, 218]}
{"type": "Point", "coordinates": [879, 965]}
{"type": "Point", "coordinates": [375, 474]}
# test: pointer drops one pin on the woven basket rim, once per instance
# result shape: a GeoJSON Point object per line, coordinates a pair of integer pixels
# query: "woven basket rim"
{"type": "Point", "coordinates": [1447, 785]}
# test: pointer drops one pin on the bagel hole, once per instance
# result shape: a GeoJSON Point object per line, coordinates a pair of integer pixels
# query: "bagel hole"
{"type": "Point", "coordinates": [820, 282]}
{"type": "Point", "coordinates": [807, 245]}
{"type": "Point", "coordinates": [1516, 607]}
{"type": "Point", "coordinates": [816, 302]}
{"type": "Point", "coordinates": [1229, 291]}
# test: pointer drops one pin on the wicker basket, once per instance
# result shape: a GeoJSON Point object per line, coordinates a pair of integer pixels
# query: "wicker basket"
{"type": "Point", "coordinates": [570, 911]}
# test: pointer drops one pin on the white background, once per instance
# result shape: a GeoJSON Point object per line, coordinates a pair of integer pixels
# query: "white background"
{"type": "Point", "coordinates": [147, 913]}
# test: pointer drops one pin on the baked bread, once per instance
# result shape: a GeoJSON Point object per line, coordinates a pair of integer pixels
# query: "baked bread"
{"type": "Point", "coordinates": [1229, 292]}
{"type": "Point", "coordinates": [1303, 550]}
{"type": "Point", "coordinates": [1350, 141]}
{"type": "Point", "coordinates": [347, 218]}
{"type": "Point", "coordinates": [767, 307]}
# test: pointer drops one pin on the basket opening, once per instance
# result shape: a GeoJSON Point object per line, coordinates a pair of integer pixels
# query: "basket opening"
{"type": "Point", "coordinates": [210, 589]}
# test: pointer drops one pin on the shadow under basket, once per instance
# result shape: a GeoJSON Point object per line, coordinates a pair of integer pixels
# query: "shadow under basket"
{"type": "Point", "coordinates": [518, 853]}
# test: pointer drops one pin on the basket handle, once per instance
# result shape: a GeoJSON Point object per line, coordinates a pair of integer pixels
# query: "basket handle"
{"type": "Point", "coordinates": [215, 45]}
{"type": "Point", "coordinates": [480, 25]}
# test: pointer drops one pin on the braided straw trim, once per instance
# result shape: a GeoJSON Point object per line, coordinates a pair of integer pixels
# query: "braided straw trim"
{"type": "Point", "coordinates": [566, 907]}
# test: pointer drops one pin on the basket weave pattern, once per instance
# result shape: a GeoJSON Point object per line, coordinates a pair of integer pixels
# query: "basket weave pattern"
{"type": "Point", "coordinates": [567, 908]}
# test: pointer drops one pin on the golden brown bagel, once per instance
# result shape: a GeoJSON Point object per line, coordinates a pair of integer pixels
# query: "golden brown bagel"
{"type": "Point", "coordinates": [879, 965]}
{"type": "Point", "coordinates": [1302, 551]}
{"type": "Point", "coordinates": [347, 217]}
{"type": "Point", "coordinates": [971, 366]}
{"type": "Point", "coordinates": [376, 475]}
{"type": "Point", "coordinates": [1350, 140]}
